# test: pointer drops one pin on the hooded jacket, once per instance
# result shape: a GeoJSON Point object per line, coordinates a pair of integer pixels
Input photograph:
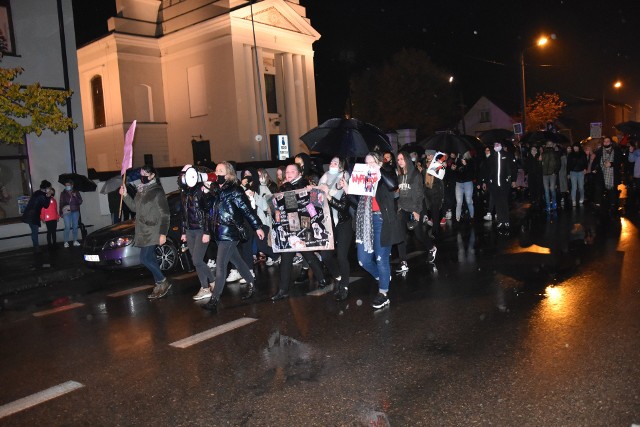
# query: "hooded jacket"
{"type": "Point", "coordinates": [152, 214]}
{"type": "Point", "coordinates": [411, 189]}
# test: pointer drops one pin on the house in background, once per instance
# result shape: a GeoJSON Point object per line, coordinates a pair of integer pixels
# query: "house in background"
{"type": "Point", "coordinates": [204, 79]}
{"type": "Point", "coordinates": [483, 116]}
{"type": "Point", "coordinates": [40, 38]}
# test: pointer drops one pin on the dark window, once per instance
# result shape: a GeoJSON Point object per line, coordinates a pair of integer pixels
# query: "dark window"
{"type": "Point", "coordinates": [7, 43]}
{"type": "Point", "coordinates": [270, 91]}
{"type": "Point", "coordinates": [15, 181]}
{"type": "Point", "coordinates": [485, 116]}
{"type": "Point", "coordinates": [97, 98]}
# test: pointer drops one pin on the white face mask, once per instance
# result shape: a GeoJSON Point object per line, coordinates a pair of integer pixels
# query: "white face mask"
{"type": "Point", "coordinates": [497, 148]}
{"type": "Point", "coordinates": [334, 171]}
{"type": "Point", "coordinates": [413, 159]}
{"type": "Point", "coordinates": [263, 181]}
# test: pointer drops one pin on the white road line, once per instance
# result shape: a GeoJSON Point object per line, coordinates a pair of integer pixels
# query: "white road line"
{"type": "Point", "coordinates": [210, 333]}
{"type": "Point", "coordinates": [38, 398]}
{"type": "Point", "coordinates": [130, 291]}
{"type": "Point", "coordinates": [58, 309]}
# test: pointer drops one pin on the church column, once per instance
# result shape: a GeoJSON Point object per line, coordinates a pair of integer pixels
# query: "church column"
{"type": "Point", "coordinates": [261, 107]}
{"type": "Point", "coordinates": [250, 90]}
{"type": "Point", "coordinates": [291, 109]}
{"type": "Point", "coordinates": [298, 74]}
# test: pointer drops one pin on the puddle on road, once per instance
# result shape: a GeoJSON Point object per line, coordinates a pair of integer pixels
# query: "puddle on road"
{"type": "Point", "coordinates": [289, 360]}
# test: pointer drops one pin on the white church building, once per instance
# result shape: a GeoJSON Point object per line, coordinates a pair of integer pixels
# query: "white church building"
{"type": "Point", "coordinates": [204, 79]}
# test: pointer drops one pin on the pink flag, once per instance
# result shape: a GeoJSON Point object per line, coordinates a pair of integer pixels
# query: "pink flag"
{"type": "Point", "coordinates": [128, 148]}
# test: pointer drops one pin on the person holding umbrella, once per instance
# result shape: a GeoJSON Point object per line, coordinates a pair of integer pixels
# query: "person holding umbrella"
{"type": "Point", "coordinates": [70, 201]}
{"type": "Point", "coordinates": [152, 224]}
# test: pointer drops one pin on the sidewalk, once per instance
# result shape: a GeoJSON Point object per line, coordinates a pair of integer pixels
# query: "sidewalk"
{"type": "Point", "coordinates": [23, 270]}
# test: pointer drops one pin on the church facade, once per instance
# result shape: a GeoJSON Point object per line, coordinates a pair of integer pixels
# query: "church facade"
{"type": "Point", "coordinates": [205, 80]}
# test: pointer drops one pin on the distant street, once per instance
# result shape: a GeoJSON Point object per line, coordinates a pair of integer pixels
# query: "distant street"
{"type": "Point", "coordinates": [540, 327]}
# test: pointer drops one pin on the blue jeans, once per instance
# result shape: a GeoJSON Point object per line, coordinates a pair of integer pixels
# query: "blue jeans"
{"type": "Point", "coordinates": [150, 261]}
{"type": "Point", "coordinates": [377, 262]}
{"type": "Point", "coordinates": [464, 189]}
{"type": "Point", "coordinates": [34, 235]}
{"type": "Point", "coordinates": [71, 222]}
{"type": "Point", "coordinates": [549, 184]}
{"type": "Point", "coordinates": [577, 183]}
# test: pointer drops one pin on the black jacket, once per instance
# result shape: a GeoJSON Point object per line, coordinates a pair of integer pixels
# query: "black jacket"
{"type": "Point", "coordinates": [229, 208]}
{"type": "Point", "coordinates": [577, 162]}
{"type": "Point", "coordinates": [341, 206]}
{"type": "Point", "coordinates": [37, 201]}
{"type": "Point", "coordinates": [502, 168]}
{"type": "Point", "coordinates": [195, 205]}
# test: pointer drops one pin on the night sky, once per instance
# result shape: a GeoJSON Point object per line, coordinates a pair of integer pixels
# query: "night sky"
{"type": "Point", "coordinates": [478, 42]}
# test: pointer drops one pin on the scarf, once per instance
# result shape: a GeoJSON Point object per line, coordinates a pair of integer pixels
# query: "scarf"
{"type": "Point", "coordinates": [364, 223]}
{"type": "Point", "coordinates": [607, 173]}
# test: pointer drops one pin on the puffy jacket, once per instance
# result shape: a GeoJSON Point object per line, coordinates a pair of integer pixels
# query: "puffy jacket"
{"type": "Point", "coordinates": [50, 213]}
{"type": "Point", "coordinates": [152, 214]}
{"type": "Point", "coordinates": [195, 205]}
{"type": "Point", "coordinates": [229, 208]}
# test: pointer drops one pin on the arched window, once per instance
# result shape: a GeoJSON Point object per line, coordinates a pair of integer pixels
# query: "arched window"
{"type": "Point", "coordinates": [97, 99]}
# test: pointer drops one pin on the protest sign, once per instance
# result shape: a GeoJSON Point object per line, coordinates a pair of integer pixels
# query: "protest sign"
{"type": "Point", "coordinates": [301, 221]}
{"type": "Point", "coordinates": [363, 180]}
{"type": "Point", "coordinates": [437, 168]}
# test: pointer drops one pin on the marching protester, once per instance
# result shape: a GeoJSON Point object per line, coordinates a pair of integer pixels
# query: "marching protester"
{"type": "Point", "coordinates": [502, 177]}
{"type": "Point", "coordinates": [577, 163]}
{"type": "Point", "coordinates": [464, 174]}
{"type": "Point", "coordinates": [333, 183]}
{"type": "Point", "coordinates": [434, 192]}
{"type": "Point", "coordinates": [378, 228]}
{"type": "Point", "coordinates": [550, 167]}
{"type": "Point", "coordinates": [295, 181]}
{"type": "Point", "coordinates": [228, 209]}
{"type": "Point", "coordinates": [70, 201]}
{"type": "Point", "coordinates": [152, 224]}
{"type": "Point", "coordinates": [410, 206]}
{"type": "Point", "coordinates": [195, 232]}
{"type": "Point", "coordinates": [608, 172]}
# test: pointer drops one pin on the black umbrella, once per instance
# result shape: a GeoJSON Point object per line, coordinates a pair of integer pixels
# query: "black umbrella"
{"type": "Point", "coordinates": [496, 135]}
{"type": "Point", "coordinates": [449, 143]}
{"type": "Point", "coordinates": [346, 138]}
{"type": "Point", "coordinates": [80, 182]}
{"type": "Point", "coordinates": [412, 147]}
{"type": "Point", "coordinates": [112, 184]}
{"type": "Point", "coordinates": [629, 128]}
{"type": "Point", "coordinates": [541, 137]}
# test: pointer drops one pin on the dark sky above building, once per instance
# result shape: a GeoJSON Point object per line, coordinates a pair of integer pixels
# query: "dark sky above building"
{"type": "Point", "coordinates": [479, 42]}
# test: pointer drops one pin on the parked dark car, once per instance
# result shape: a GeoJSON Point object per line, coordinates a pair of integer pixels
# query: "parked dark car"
{"type": "Point", "coordinates": [112, 247]}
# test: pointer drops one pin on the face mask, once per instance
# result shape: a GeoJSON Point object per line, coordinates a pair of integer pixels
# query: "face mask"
{"type": "Point", "coordinates": [68, 187]}
{"type": "Point", "coordinates": [334, 171]}
{"type": "Point", "coordinates": [497, 148]}
{"type": "Point", "coordinates": [144, 179]}
{"type": "Point", "coordinates": [221, 179]}
{"type": "Point", "coordinates": [413, 159]}
{"type": "Point", "coordinates": [263, 181]}
{"type": "Point", "coordinates": [487, 154]}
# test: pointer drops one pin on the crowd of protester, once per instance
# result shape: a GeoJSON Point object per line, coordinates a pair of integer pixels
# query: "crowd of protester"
{"type": "Point", "coordinates": [227, 218]}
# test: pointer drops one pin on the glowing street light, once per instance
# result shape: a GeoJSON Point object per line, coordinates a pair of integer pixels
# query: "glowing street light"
{"type": "Point", "coordinates": [541, 42]}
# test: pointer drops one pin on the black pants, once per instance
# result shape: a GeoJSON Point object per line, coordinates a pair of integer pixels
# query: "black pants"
{"type": "Point", "coordinates": [51, 232]}
{"type": "Point", "coordinates": [286, 267]}
{"type": "Point", "coordinates": [418, 232]}
{"type": "Point", "coordinates": [337, 261]}
{"type": "Point", "coordinates": [500, 197]}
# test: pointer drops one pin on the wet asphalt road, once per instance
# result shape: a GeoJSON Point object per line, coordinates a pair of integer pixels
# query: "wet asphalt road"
{"type": "Point", "coordinates": [534, 328]}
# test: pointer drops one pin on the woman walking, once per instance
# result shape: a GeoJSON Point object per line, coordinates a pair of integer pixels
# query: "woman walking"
{"type": "Point", "coordinates": [152, 223]}
{"type": "Point", "coordinates": [229, 208]}
{"type": "Point", "coordinates": [378, 228]}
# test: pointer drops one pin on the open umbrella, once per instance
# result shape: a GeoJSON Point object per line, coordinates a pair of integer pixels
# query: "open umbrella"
{"type": "Point", "coordinates": [496, 135]}
{"type": "Point", "coordinates": [412, 147]}
{"type": "Point", "coordinates": [111, 184]}
{"type": "Point", "coordinates": [80, 182]}
{"type": "Point", "coordinates": [629, 128]}
{"type": "Point", "coordinates": [541, 137]}
{"type": "Point", "coordinates": [449, 143]}
{"type": "Point", "coordinates": [346, 138]}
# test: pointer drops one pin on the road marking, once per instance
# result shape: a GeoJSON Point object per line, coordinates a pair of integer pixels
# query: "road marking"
{"type": "Point", "coordinates": [37, 398]}
{"type": "Point", "coordinates": [211, 333]}
{"type": "Point", "coordinates": [58, 309]}
{"type": "Point", "coordinates": [130, 291]}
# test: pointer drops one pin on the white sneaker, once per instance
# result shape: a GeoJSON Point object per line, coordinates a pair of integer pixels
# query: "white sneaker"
{"type": "Point", "coordinates": [76, 243]}
{"type": "Point", "coordinates": [202, 294]}
{"type": "Point", "coordinates": [447, 215]}
{"type": "Point", "coordinates": [297, 259]}
{"type": "Point", "coordinates": [66, 244]}
{"type": "Point", "coordinates": [242, 280]}
{"type": "Point", "coordinates": [488, 217]}
{"type": "Point", "coordinates": [269, 262]}
{"type": "Point", "coordinates": [403, 268]}
{"type": "Point", "coordinates": [233, 276]}
{"type": "Point", "coordinates": [211, 264]}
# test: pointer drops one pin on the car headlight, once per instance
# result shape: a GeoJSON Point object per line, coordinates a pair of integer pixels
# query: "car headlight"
{"type": "Point", "coordinates": [119, 242]}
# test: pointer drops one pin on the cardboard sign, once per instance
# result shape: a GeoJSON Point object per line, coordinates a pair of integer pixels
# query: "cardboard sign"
{"type": "Point", "coordinates": [363, 180]}
{"type": "Point", "coordinates": [301, 221]}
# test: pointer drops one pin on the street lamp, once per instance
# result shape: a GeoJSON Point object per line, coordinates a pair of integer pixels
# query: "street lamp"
{"type": "Point", "coordinates": [616, 85]}
{"type": "Point", "coordinates": [542, 41]}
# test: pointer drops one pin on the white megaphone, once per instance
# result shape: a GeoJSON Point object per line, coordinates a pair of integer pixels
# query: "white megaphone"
{"type": "Point", "coordinates": [189, 176]}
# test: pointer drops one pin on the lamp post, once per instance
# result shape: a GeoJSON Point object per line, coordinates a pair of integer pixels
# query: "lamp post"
{"type": "Point", "coordinates": [462, 109]}
{"type": "Point", "coordinates": [616, 85]}
{"type": "Point", "coordinates": [540, 43]}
